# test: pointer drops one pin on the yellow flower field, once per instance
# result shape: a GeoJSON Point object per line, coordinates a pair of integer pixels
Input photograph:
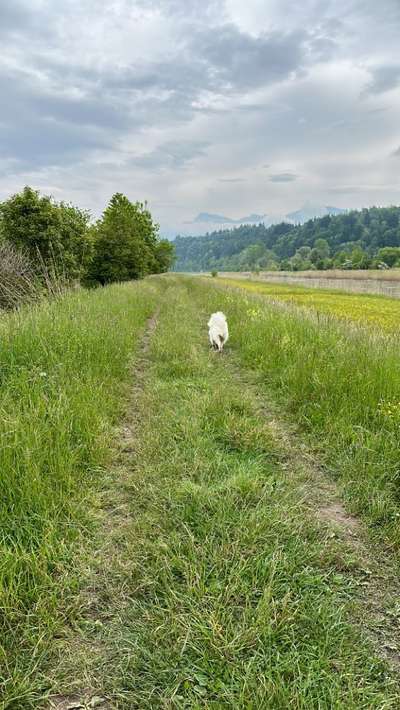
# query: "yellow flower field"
{"type": "Point", "coordinates": [379, 311]}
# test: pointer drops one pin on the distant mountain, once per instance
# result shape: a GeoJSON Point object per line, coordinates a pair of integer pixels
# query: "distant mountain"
{"type": "Point", "coordinates": [211, 222]}
{"type": "Point", "coordinates": [309, 211]}
{"type": "Point", "coordinates": [209, 218]}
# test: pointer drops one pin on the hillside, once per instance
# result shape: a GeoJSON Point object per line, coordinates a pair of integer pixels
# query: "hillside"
{"type": "Point", "coordinates": [350, 240]}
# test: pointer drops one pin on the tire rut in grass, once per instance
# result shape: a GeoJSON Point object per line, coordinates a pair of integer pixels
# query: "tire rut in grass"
{"type": "Point", "coordinates": [100, 599]}
{"type": "Point", "coordinates": [376, 583]}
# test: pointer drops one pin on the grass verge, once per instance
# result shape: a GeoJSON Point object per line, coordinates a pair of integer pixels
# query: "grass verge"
{"type": "Point", "coordinates": [64, 367]}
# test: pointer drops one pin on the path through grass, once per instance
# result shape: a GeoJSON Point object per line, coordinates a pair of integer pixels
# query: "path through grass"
{"type": "Point", "coordinates": [225, 588]}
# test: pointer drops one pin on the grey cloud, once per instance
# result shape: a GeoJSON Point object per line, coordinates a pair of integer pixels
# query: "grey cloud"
{"type": "Point", "coordinates": [15, 16]}
{"type": "Point", "coordinates": [345, 189]}
{"type": "Point", "coordinates": [21, 21]}
{"type": "Point", "coordinates": [112, 99]}
{"type": "Point", "coordinates": [384, 78]}
{"type": "Point", "coordinates": [274, 89]}
{"type": "Point", "coordinates": [39, 128]}
{"type": "Point", "coordinates": [43, 143]}
{"type": "Point", "coordinates": [332, 26]}
{"type": "Point", "coordinates": [240, 60]}
{"type": "Point", "coordinates": [182, 10]}
{"type": "Point", "coordinates": [173, 154]}
{"type": "Point", "coordinates": [232, 180]}
{"type": "Point", "coordinates": [109, 100]}
{"type": "Point", "coordinates": [217, 59]}
{"type": "Point", "coordinates": [322, 48]}
{"type": "Point", "coordinates": [283, 177]}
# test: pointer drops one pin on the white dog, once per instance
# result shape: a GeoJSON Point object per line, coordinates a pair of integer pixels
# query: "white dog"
{"type": "Point", "coordinates": [218, 331]}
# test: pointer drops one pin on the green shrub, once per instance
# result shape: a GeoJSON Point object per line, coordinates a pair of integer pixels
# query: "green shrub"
{"type": "Point", "coordinates": [50, 233]}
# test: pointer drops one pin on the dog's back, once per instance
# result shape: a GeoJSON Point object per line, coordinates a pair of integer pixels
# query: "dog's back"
{"type": "Point", "coordinates": [218, 330]}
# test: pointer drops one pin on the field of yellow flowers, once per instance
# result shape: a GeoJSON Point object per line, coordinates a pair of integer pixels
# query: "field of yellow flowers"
{"type": "Point", "coordinates": [377, 311]}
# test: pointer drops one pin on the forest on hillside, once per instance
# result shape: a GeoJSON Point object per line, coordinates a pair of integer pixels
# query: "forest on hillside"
{"type": "Point", "coordinates": [358, 239]}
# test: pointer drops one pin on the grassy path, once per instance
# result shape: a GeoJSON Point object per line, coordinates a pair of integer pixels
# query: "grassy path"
{"type": "Point", "coordinates": [228, 574]}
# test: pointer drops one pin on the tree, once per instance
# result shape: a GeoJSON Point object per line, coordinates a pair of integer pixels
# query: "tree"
{"type": "Point", "coordinates": [304, 252]}
{"type": "Point", "coordinates": [389, 255]}
{"type": "Point", "coordinates": [322, 247]}
{"type": "Point", "coordinates": [164, 256]}
{"type": "Point", "coordinates": [360, 259]}
{"type": "Point", "coordinates": [125, 243]}
{"type": "Point", "coordinates": [55, 233]}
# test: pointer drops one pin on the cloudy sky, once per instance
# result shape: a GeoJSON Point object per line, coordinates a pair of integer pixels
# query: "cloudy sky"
{"type": "Point", "coordinates": [219, 106]}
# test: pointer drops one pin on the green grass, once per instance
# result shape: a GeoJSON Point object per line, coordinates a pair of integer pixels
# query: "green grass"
{"type": "Point", "coordinates": [340, 383]}
{"type": "Point", "coordinates": [234, 595]}
{"type": "Point", "coordinates": [186, 565]}
{"type": "Point", "coordinates": [376, 311]}
{"type": "Point", "coordinates": [64, 366]}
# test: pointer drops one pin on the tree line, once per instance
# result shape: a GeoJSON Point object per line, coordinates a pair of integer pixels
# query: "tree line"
{"type": "Point", "coordinates": [364, 239]}
{"type": "Point", "coordinates": [58, 237]}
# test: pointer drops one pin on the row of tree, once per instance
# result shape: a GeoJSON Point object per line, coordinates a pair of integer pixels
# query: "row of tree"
{"type": "Point", "coordinates": [123, 244]}
{"type": "Point", "coordinates": [369, 238]}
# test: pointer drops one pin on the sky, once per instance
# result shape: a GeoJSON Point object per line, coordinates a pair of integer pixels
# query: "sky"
{"type": "Point", "coordinates": [218, 106]}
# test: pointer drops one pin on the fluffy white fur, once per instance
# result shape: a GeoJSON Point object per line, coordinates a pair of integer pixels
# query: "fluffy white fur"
{"type": "Point", "coordinates": [218, 330]}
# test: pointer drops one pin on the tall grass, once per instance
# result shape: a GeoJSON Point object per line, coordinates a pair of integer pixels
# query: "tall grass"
{"type": "Point", "coordinates": [340, 382]}
{"type": "Point", "coordinates": [63, 368]}
{"type": "Point", "coordinates": [223, 592]}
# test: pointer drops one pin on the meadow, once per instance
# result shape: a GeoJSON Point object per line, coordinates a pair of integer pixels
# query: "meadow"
{"type": "Point", "coordinates": [168, 536]}
{"type": "Point", "coordinates": [366, 309]}
{"type": "Point", "coordinates": [64, 365]}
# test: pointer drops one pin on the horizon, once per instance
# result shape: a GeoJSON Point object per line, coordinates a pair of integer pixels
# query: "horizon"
{"type": "Point", "coordinates": [222, 109]}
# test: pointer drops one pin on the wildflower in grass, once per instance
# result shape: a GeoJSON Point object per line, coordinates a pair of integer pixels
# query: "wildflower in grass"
{"type": "Point", "coordinates": [390, 411]}
{"type": "Point", "coordinates": [253, 313]}
{"type": "Point", "coordinates": [376, 311]}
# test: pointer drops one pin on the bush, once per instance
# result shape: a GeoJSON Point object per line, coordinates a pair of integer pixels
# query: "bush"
{"type": "Point", "coordinates": [21, 282]}
{"type": "Point", "coordinates": [18, 280]}
{"type": "Point", "coordinates": [51, 233]}
{"type": "Point", "coordinates": [214, 274]}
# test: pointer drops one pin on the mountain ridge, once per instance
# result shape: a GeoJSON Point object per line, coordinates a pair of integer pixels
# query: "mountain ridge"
{"type": "Point", "coordinates": [304, 213]}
